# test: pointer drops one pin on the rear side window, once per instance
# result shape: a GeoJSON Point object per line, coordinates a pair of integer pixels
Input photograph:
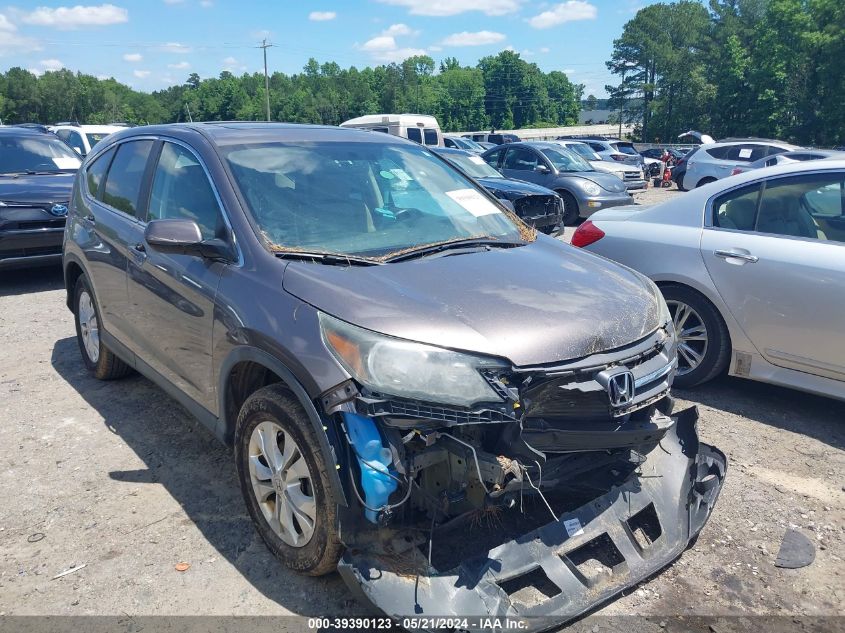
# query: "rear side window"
{"type": "Point", "coordinates": [626, 148]}
{"type": "Point", "coordinates": [737, 209]}
{"type": "Point", "coordinates": [498, 139]}
{"type": "Point", "coordinates": [123, 183]}
{"type": "Point", "coordinates": [430, 136]}
{"type": "Point", "coordinates": [493, 158]}
{"type": "Point", "coordinates": [597, 147]}
{"type": "Point", "coordinates": [720, 153]}
{"type": "Point", "coordinates": [96, 171]}
{"type": "Point", "coordinates": [746, 153]}
{"type": "Point", "coordinates": [414, 134]}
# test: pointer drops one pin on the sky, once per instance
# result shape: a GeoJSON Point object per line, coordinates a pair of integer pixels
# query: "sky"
{"type": "Point", "coordinates": [151, 44]}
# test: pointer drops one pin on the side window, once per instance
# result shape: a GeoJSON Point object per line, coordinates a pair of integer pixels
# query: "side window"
{"type": "Point", "coordinates": [181, 190]}
{"type": "Point", "coordinates": [809, 206]}
{"type": "Point", "coordinates": [430, 136]}
{"type": "Point", "coordinates": [737, 209]}
{"type": "Point", "coordinates": [75, 141]}
{"type": "Point", "coordinates": [123, 183]}
{"type": "Point", "coordinates": [597, 147]}
{"type": "Point", "coordinates": [520, 159]}
{"type": "Point", "coordinates": [414, 134]}
{"type": "Point", "coordinates": [720, 153]}
{"type": "Point", "coordinates": [450, 143]}
{"type": "Point", "coordinates": [493, 158]}
{"type": "Point", "coordinates": [746, 153]}
{"type": "Point", "coordinates": [96, 171]}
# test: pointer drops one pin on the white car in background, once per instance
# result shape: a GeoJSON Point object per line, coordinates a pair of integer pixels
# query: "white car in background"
{"type": "Point", "coordinates": [789, 157]}
{"type": "Point", "coordinates": [83, 138]}
{"type": "Point", "coordinates": [631, 175]}
{"type": "Point", "coordinates": [713, 161]}
{"type": "Point", "coordinates": [752, 269]}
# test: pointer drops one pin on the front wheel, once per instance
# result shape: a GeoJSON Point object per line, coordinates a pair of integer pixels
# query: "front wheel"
{"type": "Point", "coordinates": [702, 336]}
{"type": "Point", "coordinates": [570, 208]}
{"type": "Point", "coordinates": [284, 481]}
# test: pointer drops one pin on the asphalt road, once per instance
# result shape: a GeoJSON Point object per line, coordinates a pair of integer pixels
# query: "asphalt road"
{"type": "Point", "coordinates": [117, 477]}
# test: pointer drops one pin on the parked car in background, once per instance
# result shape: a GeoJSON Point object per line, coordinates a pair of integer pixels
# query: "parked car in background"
{"type": "Point", "coordinates": [459, 142]}
{"type": "Point", "coordinates": [484, 144]}
{"type": "Point", "coordinates": [789, 157]}
{"type": "Point", "coordinates": [36, 178]}
{"type": "Point", "coordinates": [420, 128]}
{"type": "Point", "coordinates": [712, 161]}
{"type": "Point", "coordinates": [614, 150]}
{"type": "Point", "coordinates": [582, 188]}
{"type": "Point", "coordinates": [388, 353]}
{"type": "Point", "coordinates": [631, 175]}
{"type": "Point", "coordinates": [84, 137]}
{"type": "Point", "coordinates": [535, 205]}
{"type": "Point", "coordinates": [753, 270]}
{"type": "Point", "coordinates": [497, 138]}
{"type": "Point", "coordinates": [656, 153]}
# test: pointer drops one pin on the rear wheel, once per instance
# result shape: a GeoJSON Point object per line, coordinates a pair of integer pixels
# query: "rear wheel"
{"type": "Point", "coordinates": [571, 212]}
{"type": "Point", "coordinates": [703, 340]}
{"type": "Point", "coordinates": [98, 358]}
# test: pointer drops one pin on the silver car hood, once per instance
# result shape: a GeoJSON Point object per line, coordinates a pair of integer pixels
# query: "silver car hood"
{"type": "Point", "coordinates": [536, 304]}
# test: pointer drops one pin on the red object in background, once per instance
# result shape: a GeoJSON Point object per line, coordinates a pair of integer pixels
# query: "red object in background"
{"type": "Point", "coordinates": [586, 234]}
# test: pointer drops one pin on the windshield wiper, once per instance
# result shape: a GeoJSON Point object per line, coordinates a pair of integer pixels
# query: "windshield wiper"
{"type": "Point", "coordinates": [439, 247]}
{"type": "Point", "coordinates": [333, 259]}
{"type": "Point", "coordinates": [31, 172]}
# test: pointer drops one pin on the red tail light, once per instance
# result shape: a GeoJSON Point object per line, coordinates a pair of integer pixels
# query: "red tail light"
{"type": "Point", "coordinates": [737, 170]}
{"type": "Point", "coordinates": [620, 157]}
{"type": "Point", "coordinates": [586, 234]}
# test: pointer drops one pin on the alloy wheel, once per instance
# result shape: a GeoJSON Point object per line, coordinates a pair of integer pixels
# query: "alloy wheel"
{"type": "Point", "coordinates": [89, 327]}
{"type": "Point", "coordinates": [282, 483]}
{"type": "Point", "coordinates": [691, 335]}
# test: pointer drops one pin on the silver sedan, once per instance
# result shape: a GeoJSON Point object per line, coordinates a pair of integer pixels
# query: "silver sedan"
{"type": "Point", "coordinates": [753, 270]}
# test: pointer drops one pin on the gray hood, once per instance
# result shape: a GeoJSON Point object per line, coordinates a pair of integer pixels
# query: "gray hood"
{"type": "Point", "coordinates": [541, 303]}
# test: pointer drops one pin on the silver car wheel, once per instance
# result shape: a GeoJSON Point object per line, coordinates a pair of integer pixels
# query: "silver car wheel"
{"type": "Point", "coordinates": [89, 327]}
{"type": "Point", "coordinates": [692, 336]}
{"type": "Point", "coordinates": [282, 483]}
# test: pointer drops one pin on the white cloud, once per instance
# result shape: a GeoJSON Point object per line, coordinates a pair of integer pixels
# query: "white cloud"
{"type": "Point", "coordinates": [141, 74]}
{"type": "Point", "coordinates": [322, 16]}
{"type": "Point", "coordinates": [545, 49]}
{"type": "Point", "coordinates": [231, 64]}
{"type": "Point", "coordinates": [398, 29]}
{"type": "Point", "coordinates": [12, 43]}
{"type": "Point", "coordinates": [206, 4]}
{"type": "Point", "coordinates": [5, 25]}
{"type": "Point", "coordinates": [384, 48]}
{"type": "Point", "coordinates": [179, 66]}
{"type": "Point", "coordinates": [133, 57]}
{"type": "Point", "coordinates": [398, 54]}
{"type": "Point", "coordinates": [67, 18]}
{"type": "Point", "coordinates": [454, 7]}
{"type": "Point", "coordinates": [564, 12]}
{"type": "Point", "coordinates": [379, 43]}
{"type": "Point", "coordinates": [36, 71]}
{"type": "Point", "coordinates": [51, 64]}
{"type": "Point", "coordinates": [479, 38]}
{"type": "Point", "coordinates": [175, 47]}
{"type": "Point", "coordinates": [435, 49]}
{"type": "Point", "coordinates": [569, 71]}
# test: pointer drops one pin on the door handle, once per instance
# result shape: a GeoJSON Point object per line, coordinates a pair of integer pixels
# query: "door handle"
{"type": "Point", "coordinates": [746, 257]}
{"type": "Point", "coordinates": [90, 217]}
{"type": "Point", "coordinates": [140, 247]}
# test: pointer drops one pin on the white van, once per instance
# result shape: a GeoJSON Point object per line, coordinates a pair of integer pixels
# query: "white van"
{"type": "Point", "coordinates": [419, 128]}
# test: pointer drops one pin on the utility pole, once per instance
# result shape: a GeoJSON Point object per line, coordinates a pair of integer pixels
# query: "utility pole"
{"type": "Point", "coordinates": [265, 46]}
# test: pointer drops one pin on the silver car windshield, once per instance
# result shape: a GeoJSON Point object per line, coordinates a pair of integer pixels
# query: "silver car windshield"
{"type": "Point", "coordinates": [362, 199]}
{"type": "Point", "coordinates": [564, 160]}
{"type": "Point", "coordinates": [474, 166]}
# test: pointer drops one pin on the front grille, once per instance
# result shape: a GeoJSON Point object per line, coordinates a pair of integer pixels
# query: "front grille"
{"type": "Point", "coordinates": [31, 252]}
{"type": "Point", "coordinates": [536, 206]}
{"type": "Point", "coordinates": [33, 225]}
{"type": "Point", "coordinates": [630, 176]}
{"type": "Point", "coordinates": [446, 415]}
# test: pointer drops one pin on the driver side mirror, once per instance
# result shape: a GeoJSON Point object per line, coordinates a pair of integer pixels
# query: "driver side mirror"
{"type": "Point", "coordinates": [542, 169]}
{"type": "Point", "coordinates": [183, 237]}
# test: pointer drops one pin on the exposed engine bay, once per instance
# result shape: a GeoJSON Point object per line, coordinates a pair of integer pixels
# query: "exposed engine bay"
{"type": "Point", "coordinates": [439, 488]}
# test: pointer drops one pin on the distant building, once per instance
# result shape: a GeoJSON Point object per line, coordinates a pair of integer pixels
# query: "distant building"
{"type": "Point", "coordinates": [594, 117]}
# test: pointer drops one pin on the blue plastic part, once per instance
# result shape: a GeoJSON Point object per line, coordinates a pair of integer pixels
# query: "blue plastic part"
{"type": "Point", "coordinates": [374, 459]}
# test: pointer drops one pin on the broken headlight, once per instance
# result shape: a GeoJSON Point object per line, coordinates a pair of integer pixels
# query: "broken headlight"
{"type": "Point", "coordinates": [405, 369]}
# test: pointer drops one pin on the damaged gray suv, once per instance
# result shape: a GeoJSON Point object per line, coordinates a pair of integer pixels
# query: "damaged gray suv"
{"type": "Point", "coordinates": [460, 415]}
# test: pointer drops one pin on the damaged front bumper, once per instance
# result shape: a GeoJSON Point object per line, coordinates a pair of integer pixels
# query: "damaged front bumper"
{"type": "Point", "coordinates": [560, 570]}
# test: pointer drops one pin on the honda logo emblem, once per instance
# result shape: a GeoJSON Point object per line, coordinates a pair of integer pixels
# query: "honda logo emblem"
{"type": "Point", "coordinates": [619, 384]}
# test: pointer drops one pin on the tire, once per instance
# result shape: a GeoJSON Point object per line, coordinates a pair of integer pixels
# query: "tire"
{"type": "Point", "coordinates": [714, 352]}
{"type": "Point", "coordinates": [309, 541]}
{"type": "Point", "coordinates": [98, 358]}
{"type": "Point", "coordinates": [571, 213]}
{"type": "Point", "coordinates": [705, 181]}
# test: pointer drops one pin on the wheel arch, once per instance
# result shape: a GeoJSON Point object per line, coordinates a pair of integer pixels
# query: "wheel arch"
{"type": "Point", "coordinates": [72, 271]}
{"type": "Point", "coordinates": [680, 284]}
{"type": "Point", "coordinates": [247, 369]}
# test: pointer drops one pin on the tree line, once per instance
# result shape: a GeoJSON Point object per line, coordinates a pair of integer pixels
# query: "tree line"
{"type": "Point", "coordinates": [502, 91]}
{"type": "Point", "coordinates": [768, 68]}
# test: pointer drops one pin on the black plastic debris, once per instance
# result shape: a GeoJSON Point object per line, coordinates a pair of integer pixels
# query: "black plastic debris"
{"type": "Point", "coordinates": [796, 551]}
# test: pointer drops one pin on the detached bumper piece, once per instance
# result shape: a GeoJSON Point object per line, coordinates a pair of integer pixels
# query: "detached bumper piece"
{"type": "Point", "coordinates": [562, 569]}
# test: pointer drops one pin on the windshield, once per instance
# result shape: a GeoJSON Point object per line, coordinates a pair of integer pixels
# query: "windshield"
{"type": "Point", "coordinates": [583, 150]}
{"type": "Point", "coordinates": [365, 199]}
{"type": "Point", "coordinates": [474, 166]}
{"type": "Point", "coordinates": [43, 153]}
{"type": "Point", "coordinates": [95, 137]}
{"type": "Point", "coordinates": [468, 143]}
{"type": "Point", "coordinates": [626, 148]}
{"type": "Point", "coordinates": [564, 160]}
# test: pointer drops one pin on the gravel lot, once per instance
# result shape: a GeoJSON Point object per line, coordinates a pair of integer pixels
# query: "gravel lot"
{"type": "Point", "coordinates": [117, 477]}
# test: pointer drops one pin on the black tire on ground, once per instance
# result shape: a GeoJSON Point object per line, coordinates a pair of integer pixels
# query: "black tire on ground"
{"type": "Point", "coordinates": [107, 365]}
{"type": "Point", "coordinates": [718, 351]}
{"type": "Point", "coordinates": [549, 230]}
{"type": "Point", "coordinates": [276, 404]}
{"type": "Point", "coordinates": [571, 213]}
{"type": "Point", "coordinates": [705, 181]}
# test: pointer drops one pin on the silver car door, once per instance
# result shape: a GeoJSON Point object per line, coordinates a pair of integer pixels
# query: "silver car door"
{"type": "Point", "coordinates": [781, 270]}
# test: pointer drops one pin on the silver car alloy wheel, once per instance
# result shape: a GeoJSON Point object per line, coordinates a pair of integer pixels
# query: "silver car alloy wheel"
{"type": "Point", "coordinates": [692, 336]}
{"type": "Point", "coordinates": [89, 327]}
{"type": "Point", "coordinates": [282, 483]}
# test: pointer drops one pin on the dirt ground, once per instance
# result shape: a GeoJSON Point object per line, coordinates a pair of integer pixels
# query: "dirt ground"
{"type": "Point", "coordinates": [116, 480]}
